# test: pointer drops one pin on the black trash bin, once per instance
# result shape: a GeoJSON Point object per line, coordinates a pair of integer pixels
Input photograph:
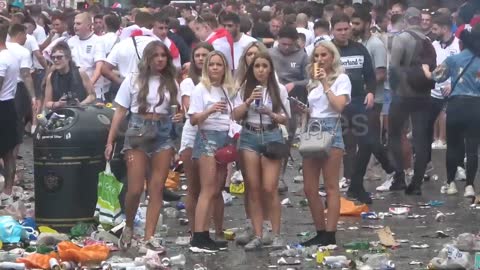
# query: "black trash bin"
{"type": "Point", "coordinates": [67, 161]}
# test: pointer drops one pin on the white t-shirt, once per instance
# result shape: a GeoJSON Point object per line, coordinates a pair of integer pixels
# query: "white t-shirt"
{"type": "Point", "coordinates": [10, 71]}
{"type": "Point", "coordinates": [124, 57]}
{"type": "Point", "coordinates": [239, 47]}
{"type": "Point", "coordinates": [201, 99]}
{"type": "Point", "coordinates": [442, 54]}
{"type": "Point", "coordinates": [110, 39]}
{"type": "Point", "coordinates": [31, 45]}
{"type": "Point", "coordinates": [22, 55]}
{"type": "Point", "coordinates": [320, 106]}
{"type": "Point", "coordinates": [186, 88]}
{"type": "Point", "coordinates": [40, 37]}
{"type": "Point", "coordinates": [86, 53]}
{"type": "Point", "coordinates": [253, 116]}
{"type": "Point", "coordinates": [128, 92]}
{"type": "Point", "coordinates": [309, 36]}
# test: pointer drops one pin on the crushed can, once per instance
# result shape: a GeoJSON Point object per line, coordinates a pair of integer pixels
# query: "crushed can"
{"type": "Point", "coordinates": [68, 266]}
{"type": "Point", "coordinates": [54, 265]}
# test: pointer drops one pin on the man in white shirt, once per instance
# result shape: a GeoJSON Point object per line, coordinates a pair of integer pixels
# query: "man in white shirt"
{"type": "Point", "coordinates": [87, 51]}
{"type": "Point", "coordinates": [125, 56]}
{"type": "Point", "coordinates": [445, 44]}
{"type": "Point", "coordinates": [142, 20]}
{"type": "Point", "coordinates": [18, 37]}
{"type": "Point", "coordinates": [321, 30]}
{"type": "Point", "coordinates": [231, 22]}
{"type": "Point", "coordinates": [206, 29]}
{"type": "Point", "coordinates": [9, 72]}
{"type": "Point", "coordinates": [59, 25]}
{"type": "Point", "coordinates": [302, 27]}
{"type": "Point", "coordinates": [110, 39]}
{"type": "Point", "coordinates": [98, 25]}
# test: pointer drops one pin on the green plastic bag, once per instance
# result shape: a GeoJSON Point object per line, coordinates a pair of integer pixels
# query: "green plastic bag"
{"type": "Point", "coordinates": [108, 210]}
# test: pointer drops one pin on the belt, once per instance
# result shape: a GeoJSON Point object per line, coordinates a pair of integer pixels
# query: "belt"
{"type": "Point", "coordinates": [154, 116]}
{"type": "Point", "coordinates": [258, 128]}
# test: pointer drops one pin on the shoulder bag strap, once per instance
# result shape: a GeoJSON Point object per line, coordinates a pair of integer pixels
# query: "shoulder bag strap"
{"type": "Point", "coordinates": [136, 48]}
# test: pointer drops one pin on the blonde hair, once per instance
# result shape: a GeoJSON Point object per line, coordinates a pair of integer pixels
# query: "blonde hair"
{"type": "Point", "coordinates": [227, 80]}
{"type": "Point", "coordinates": [337, 67]}
{"type": "Point", "coordinates": [242, 63]}
{"type": "Point", "coordinates": [85, 17]}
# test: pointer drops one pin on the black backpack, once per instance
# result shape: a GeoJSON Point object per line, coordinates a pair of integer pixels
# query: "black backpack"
{"type": "Point", "coordinates": [424, 54]}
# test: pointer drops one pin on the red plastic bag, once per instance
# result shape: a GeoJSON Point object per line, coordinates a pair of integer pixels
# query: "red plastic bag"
{"type": "Point", "coordinates": [37, 260]}
{"type": "Point", "coordinates": [68, 251]}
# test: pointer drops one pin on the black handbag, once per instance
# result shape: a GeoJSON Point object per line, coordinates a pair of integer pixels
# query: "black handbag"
{"type": "Point", "coordinates": [274, 150]}
{"type": "Point", "coordinates": [141, 135]}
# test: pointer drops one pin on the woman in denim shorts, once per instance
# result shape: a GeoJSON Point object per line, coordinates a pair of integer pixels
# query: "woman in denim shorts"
{"type": "Point", "coordinates": [210, 110]}
{"type": "Point", "coordinates": [149, 95]}
{"type": "Point", "coordinates": [329, 93]}
{"type": "Point", "coordinates": [189, 132]}
{"type": "Point", "coordinates": [261, 104]}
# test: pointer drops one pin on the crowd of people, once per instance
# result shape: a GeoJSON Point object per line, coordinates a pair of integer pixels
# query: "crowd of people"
{"type": "Point", "coordinates": [394, 80]}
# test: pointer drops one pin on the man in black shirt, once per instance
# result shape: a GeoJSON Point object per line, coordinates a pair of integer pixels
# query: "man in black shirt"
{"type": "Point", "coordinates": [358, 66]}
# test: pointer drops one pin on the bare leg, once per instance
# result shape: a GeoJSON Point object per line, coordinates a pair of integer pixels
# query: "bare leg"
{"type": "Point", "coordinates": [160, 167]}
{"type": "Point", "coordinates": [270, 176]}
{"type": "Point", "coordinates": [251, 172]}
{"type": "Point", "coordinates": [331, 172]}
{"type": "Point", "coordinates": [136, 171]}
{"type": "Point", "coordinates": [311, 178]}
{"type": "Point", "coordinates": [193, 191]}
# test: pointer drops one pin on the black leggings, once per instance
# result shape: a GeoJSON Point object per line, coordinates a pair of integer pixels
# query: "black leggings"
{"type": "Point", "coordinates": [463, 133]}
{"type": "Point", "coordinates": [417, 109]}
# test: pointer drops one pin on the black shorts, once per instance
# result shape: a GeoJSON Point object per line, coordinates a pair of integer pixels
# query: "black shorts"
{"type": "Point", "coordinates": [23, 106]}
{"type": "Point", "coordinates": [38, 83]}
{"type": "Point", "coordinates": [8, 126]}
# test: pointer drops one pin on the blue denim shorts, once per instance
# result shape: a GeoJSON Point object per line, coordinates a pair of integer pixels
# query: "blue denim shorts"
{"type": "Point", "coordinates": [328, 124]}
{"type": "Point", "coordinates": [207, 142]}
{"type": "Point", "coordinates": [387, 99]}
{"type": "Point", "coordinates": [252, 140]}
{"type": "Point", "coordinates": [163, 140]}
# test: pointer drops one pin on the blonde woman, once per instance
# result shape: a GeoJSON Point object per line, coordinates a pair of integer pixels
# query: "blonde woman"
{"type": "Point", "coordinates": [328, 95]}
{"type": "Point", "coordinates": [149, 95]}
{"type": "Point", "coordinates": [210, 110]}
{"type": "Point", "coordinates": [245, 60]}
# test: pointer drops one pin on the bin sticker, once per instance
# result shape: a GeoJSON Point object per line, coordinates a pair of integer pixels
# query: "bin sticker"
{"type": "Point", "coordinates": [68, 136]}
{"type": "Point", "coordinates": [52, 182]}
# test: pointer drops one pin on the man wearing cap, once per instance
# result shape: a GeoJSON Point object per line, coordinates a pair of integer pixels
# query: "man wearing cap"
{"type": "Point", "coordinates": [408, 101]}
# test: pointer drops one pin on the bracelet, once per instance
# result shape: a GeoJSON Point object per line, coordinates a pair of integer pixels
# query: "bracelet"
{"type": "Point", "coordinates": [329, 90]}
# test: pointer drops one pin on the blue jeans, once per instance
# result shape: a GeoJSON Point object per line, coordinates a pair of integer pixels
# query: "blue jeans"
{"type": "Point", "coordinates": [252, 140]}
{"type": "Point", "coordinates": [163, 139]}
{"type": "Point", "coordinates": [207, 142]}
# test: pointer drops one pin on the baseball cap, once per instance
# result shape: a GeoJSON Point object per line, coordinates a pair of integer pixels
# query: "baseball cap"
{"type": "Point", "coordinates": [18, 4]}
{"type": "Point", "coordinates": [412, 12]}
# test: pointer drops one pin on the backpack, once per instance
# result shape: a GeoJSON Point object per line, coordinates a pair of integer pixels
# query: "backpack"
{"type": "Point", "coordinates": [424, 54]}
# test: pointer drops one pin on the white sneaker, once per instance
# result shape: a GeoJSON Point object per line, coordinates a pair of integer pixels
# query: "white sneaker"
{"type": "Point", "coordinates": [344, 183]}
{"type": "Point", "coordinates": [460, 175]}
{"type": "Point", "coordinates": [439, 144]}
{"type": "Point", "coordinates": [444, 188]}
{"type": "Point", "coordinates": [469, 192]}
{"type": "Point", "coordinates": [387, 184]}
{"type": "Point", "coordinates": [5, 199]}
{"type": "Point", "coordinates": [452, 189]}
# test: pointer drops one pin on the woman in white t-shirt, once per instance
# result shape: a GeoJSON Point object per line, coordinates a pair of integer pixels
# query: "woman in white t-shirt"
{"type": "Point", "coordinates": [151, 95]}
{"type": "Point", "coordinates": [329, 93]}
{"type": "Point", "coordinates": [262, 105]}
{"type": "Point", "coordinates": [210, 110]}
{"type": "Point", "coordinates": [199, 53]}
